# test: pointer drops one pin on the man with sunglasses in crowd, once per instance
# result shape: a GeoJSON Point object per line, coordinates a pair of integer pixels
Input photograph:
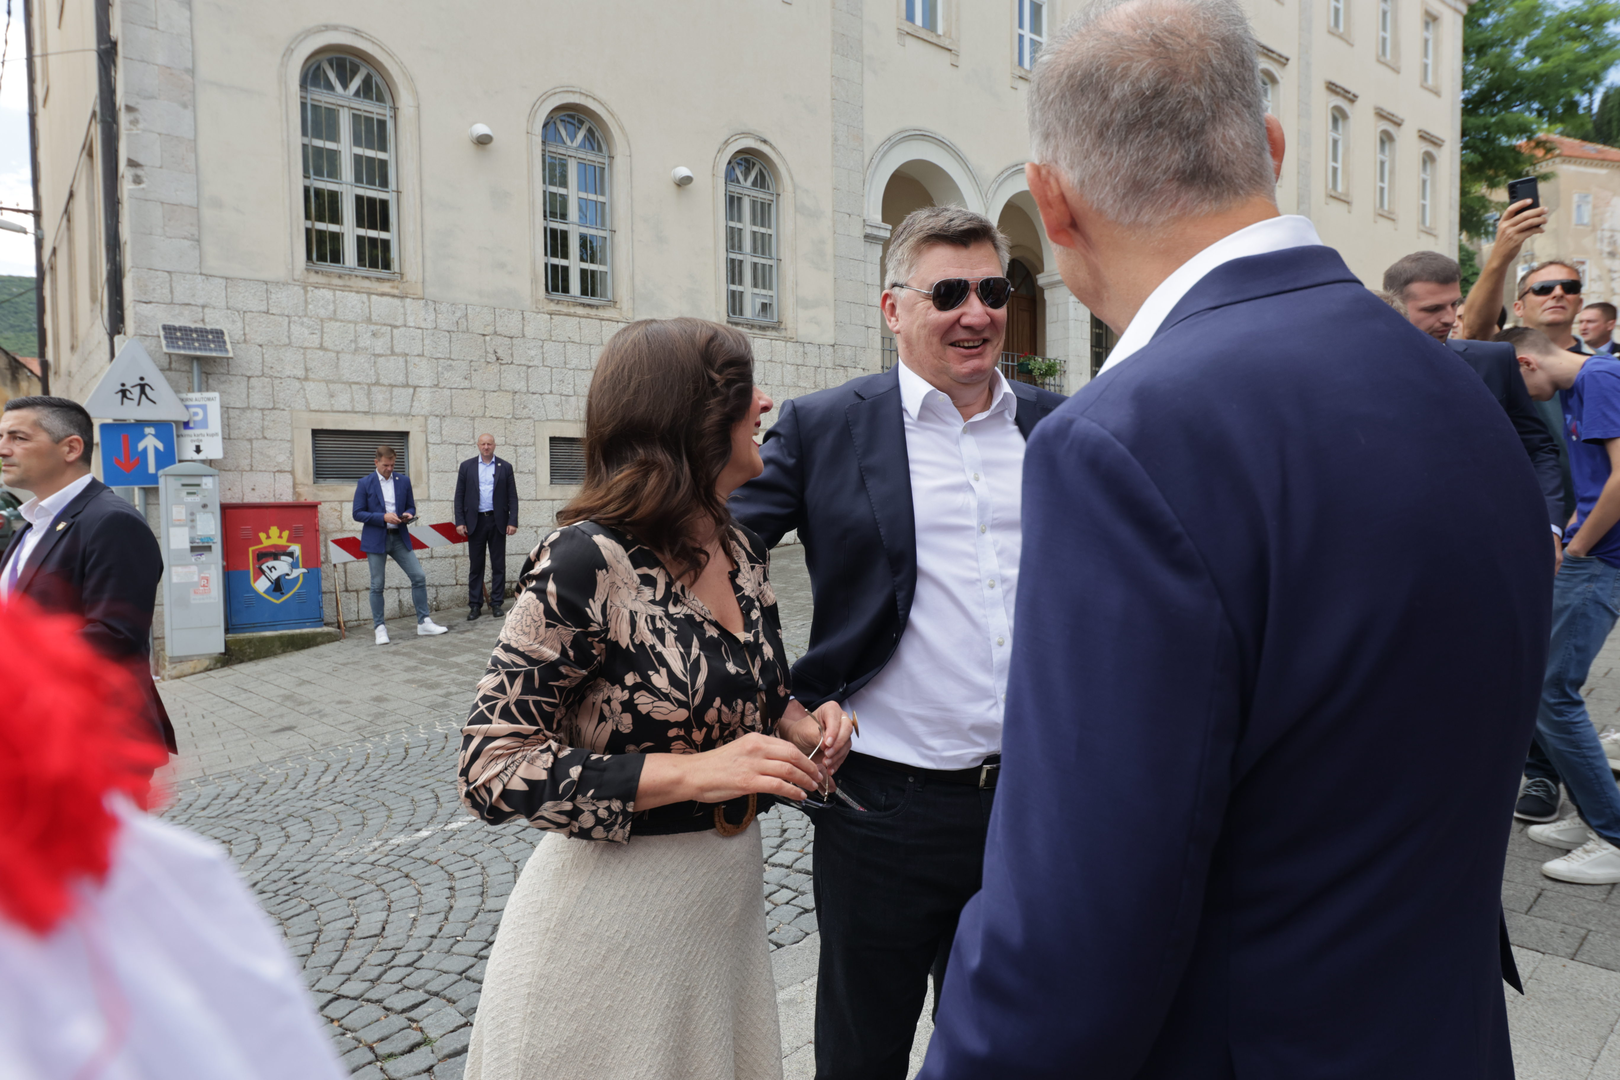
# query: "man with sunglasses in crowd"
{"type": "Point", "coordinates": [905, 490]}
{"type": "Point", "coordinates": [1548, 296]}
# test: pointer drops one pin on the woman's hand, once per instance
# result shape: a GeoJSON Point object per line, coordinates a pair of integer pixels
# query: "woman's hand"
{"type": "Point", "coordinates": [753, 764]}
{"type": "Point", "coordinates": [829, 727]}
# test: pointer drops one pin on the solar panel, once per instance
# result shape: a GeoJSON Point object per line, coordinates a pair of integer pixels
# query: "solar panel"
{"type": "Point", "coordinates": [195, 341]}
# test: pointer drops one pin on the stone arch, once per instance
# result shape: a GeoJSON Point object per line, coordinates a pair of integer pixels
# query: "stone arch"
{"type": "Point", "coordinates": [931, 161]}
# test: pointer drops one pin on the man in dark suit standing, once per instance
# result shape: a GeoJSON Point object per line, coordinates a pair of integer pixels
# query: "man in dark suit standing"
{"type": "Point", "coordinates": [84, 551]}
{"type": "Point", "coordinates": [1251, 566]}
{"type": "Point", "coordinates": [486, 513]}
{"type": "Point", "coordinates": [904, 488]}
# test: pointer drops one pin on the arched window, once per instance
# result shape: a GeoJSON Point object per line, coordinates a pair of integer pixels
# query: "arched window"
{"type": "Point", "coordinates": [1337, 122]}
{"type": "Point", "coordinates": [1336, 16]}
{"type": "Point", "coordinates": [1270, 92]}
{"type": "Point", "coordinates": [751, 247]}
{"type": "Point", "coordinates": [1426, 191]}
{"type": "Point", "coordinates": [346, 119]}
{"type": "Point", "coordinates": [578, 240]}
{"type": "Point", "coordinates": [1386, 166]}
{"type": "Point", "coordinates": [1386, 29]}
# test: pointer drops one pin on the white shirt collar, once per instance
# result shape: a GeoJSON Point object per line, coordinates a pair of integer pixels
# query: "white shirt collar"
{"type": "Point", "coordinates": [389, 479]}
{"type": "Point", "coordinates": [914, 391]}
{"type": "Point", "coordinates": [40, 512]}
{"type": "Point", "coordinates": [1261, 238]}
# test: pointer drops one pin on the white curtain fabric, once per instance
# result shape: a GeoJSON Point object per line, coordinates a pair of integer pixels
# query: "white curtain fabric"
{"type": "Point", "coordinates": [169, 970]}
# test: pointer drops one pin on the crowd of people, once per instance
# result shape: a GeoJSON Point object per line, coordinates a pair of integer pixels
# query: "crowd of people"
{"type": "Point", "coordinates": [1095, 688]}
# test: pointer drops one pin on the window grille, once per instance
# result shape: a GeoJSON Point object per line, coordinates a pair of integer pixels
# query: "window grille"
{"type": "Point", "coordinates": [346, 121]}
{"type": "Point", "coordinates": [342, 457]}
{"type": "Point", "coordinates": [1031, 31]}
{"type": "Point", "coordinates": [1386, 164]}
{"type": "Point", "coordinates": [926, 14]}
{"type": "Point", "coordinates": [578, 238]}
{"type": "Point", "coordinates": [750, 241]}
{"type": "Point", "coordinates": [1583, 208]}
{"type": "Point", "coordinates": [1426, 191]}
{"type": "Point", "coordinates": [1428, 49]}
{"type": "Point", "coordinates": [1336, 16]}
{"type": "Point", "coordinates": [567, 454]}
{"type": "Point", "coordinates": [1336, 121]}
{"type": "Point", "coordinates": [1386, 28]}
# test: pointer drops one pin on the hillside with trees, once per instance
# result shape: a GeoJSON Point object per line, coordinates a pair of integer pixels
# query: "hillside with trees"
{"type": "Point", "coordinates": [18, 326]}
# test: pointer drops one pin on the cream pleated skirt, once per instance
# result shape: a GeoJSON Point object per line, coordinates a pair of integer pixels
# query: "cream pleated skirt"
{"type": "Point", "coordinates": [638, 961]}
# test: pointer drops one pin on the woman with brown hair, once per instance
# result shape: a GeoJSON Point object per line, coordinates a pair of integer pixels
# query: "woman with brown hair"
{"type": "Point", "coordinates": [639, 696]}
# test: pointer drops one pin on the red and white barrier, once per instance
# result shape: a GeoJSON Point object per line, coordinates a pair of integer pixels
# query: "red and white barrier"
{"type": "Point", "coordinates": [347, 548]}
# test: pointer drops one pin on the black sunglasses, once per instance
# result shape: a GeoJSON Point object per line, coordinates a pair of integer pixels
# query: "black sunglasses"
{"type": "Point", "coordinates": [1572, 287]}
{"type": "Point", "coordinates": [951, 293]}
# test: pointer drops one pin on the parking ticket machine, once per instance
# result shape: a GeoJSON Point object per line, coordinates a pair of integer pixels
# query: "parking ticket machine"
{"type": "Point", "coordinates": [193, 584]}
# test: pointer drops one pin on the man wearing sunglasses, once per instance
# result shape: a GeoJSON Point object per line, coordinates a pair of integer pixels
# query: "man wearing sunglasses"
{"type": "Point", "coordinates": [1250, 571]}
{"type": "Point", "coordinates": [905, 489]}
{"type": "Point", "coordinates": [1548, 295]}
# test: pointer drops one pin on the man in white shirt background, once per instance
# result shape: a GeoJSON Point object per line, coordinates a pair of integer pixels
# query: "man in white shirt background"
{"type": "Point", "coordinates": [905, 491]}
{"type": "Point", "coordinates": [385, 506]}
{"type": "Point", "coordinates": [486, 513]}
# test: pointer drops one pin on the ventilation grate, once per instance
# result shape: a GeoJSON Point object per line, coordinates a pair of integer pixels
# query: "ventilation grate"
{"type": "Point", "coordinates": [343, 457]}
{"type": "Point", "coordinates": [567, 460]}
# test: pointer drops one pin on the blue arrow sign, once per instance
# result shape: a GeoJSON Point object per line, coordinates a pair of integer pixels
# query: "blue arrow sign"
{"type": "Point", "coordinates": [132, 455]}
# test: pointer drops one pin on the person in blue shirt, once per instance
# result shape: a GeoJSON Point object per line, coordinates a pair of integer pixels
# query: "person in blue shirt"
{"type": "Point", "coordinates": [1586, 600]}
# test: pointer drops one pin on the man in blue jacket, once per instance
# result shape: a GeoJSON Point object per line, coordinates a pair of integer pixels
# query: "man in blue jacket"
{"type": "Point", "coordinates": [384, 504]}
{"type": "Point", "coordinates": [1269, 541]}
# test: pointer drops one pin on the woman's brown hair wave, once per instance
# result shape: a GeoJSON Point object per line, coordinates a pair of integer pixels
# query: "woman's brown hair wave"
{"type": "Point", "coordinates": [658, 422]}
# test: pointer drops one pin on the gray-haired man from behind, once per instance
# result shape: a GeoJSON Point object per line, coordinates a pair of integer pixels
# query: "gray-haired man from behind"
{"type": "Point", "coordinates": [905, 490]}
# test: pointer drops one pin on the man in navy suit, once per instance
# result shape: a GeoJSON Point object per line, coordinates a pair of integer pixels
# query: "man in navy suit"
{"type": "Point", "coordinates": [385, 506]}
{"type": "Point", "coordinates": [486, 513]}
{"type": "Point", "coordinates": [1270, 540]}
{"type": "Point", "coordinates": [84, 551]}
{"type": "Point", "coordinates": [904, 488]}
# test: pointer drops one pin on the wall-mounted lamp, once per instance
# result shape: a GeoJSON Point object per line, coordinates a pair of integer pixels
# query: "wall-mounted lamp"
{"type": "Point", "coordinates": [481, 134]}
{"type": "Point", "coordinates": [681, 175]}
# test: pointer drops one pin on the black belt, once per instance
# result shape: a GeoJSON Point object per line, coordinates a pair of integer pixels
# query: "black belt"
{"type": "Point", "coordinates": [688, 817]}
{"type": "Point", "coordinates": [982, 775]}
{"type": "Point", "coordinates": [486, 513]}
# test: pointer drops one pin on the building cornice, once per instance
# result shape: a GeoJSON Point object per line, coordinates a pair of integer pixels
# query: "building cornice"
{"type": "Point", "coordinates": [1384, 114]}
{"type": "Point", "coordinates": [1430, 137]}
{"type": "Point", "coordinates": [1272, 54]}
{"type": "Point", "coordinates": [1342, 91]}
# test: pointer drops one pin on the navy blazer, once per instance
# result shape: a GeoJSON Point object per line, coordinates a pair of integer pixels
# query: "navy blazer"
{"type": "Point", "coordinates": [836, 469]}
{"type": "Point", "coordinates": [100, 561]}
{"type": "Point", "coordinates": [505, 501]}
{"type": "Point", "coordinates": [369, 509]}
{"type": "Point", "coordinates": [1249, 571]}
{"type": "Point", "coordinates": [1498, 365]}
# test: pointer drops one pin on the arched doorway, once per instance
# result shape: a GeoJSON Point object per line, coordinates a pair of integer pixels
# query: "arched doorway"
{"type": "Point", "coordinates": [1023, 329]}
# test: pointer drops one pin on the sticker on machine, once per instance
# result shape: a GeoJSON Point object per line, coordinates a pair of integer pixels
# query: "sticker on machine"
{"type": "Point", "coordinates": [183, 573]}
{"type": "Point", "coordinates": [204, 591]}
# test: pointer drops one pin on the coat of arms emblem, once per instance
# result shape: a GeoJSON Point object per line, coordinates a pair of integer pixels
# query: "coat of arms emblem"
{"type": "Point", "coordinates": [277, 564]}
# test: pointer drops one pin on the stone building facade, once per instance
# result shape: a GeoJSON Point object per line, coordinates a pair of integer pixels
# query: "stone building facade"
{"type": "Point", "coordinates": [436, 286]}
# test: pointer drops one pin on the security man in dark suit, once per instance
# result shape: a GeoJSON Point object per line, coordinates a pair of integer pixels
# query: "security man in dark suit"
{"type": "Point", "coordinates": [84, 551]}
{"type": "Point", "coordinates": [486, 513]}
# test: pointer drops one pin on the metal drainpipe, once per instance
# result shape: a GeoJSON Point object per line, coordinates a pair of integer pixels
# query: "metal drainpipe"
{"type": "Point", "coordinates": [107, 119]}
{"type": "Point", "coordinates": [39, 217]}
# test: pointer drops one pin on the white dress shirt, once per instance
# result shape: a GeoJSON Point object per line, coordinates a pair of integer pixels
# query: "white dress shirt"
{"type": "Point", "coordinates": [1261, 238]}
{"type": "Point", "coordinates": [39, 513]}
{"type": "Point", "coordinates": [387, 485]}
{"type": "Point", "coordinates": [486, 485]}
{"type": "Point", "coordinates": [938, 702]}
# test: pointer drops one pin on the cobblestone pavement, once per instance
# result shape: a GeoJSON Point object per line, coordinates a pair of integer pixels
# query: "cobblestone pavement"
{"type": "Point", "coordinates": [329, 776]}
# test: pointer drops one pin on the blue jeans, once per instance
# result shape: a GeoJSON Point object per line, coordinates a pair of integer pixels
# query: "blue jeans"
{"type": "Point", "coordinates": [1586, 601]}
{"type": "Point", "coordinates": [400, 550]}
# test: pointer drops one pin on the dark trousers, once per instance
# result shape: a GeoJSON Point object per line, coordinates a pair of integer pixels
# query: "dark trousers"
{"type": "Point", "coordinates": [484, 532]}
{"type": "Point", "coordinates": [889, 885]}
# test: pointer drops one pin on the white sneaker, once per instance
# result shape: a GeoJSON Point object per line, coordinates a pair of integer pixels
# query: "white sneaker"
{"type": "Point", "coordinates": [1609, 737]}
{"type": "Point", "coordinates": [1595, 862]}
{"type": "Point", "coordinates": [427, 628]}
{"type": "Point", "coordinates": [382, 635]}
{"type": "Point", "coordinates": [1569, 834]}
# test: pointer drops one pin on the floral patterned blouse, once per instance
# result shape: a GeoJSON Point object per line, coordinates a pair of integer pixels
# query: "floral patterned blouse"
{"type": "Point", "coordinates": [604, 658]}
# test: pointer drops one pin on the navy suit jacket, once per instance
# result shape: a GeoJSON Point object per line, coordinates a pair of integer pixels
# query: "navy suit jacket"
{"type": "Point", "coordinates": [369, 509]}
{"type": "Point", "coordinates": [505, 501]}
{"type": "Point", "coordinates": [1250, 572]}
{"type": "Point", "coordinates": [836, 469]}
{"type": "Point", "coordinates": [100, 561]}
{"type": "Point", "coordinates": [1496, 363]}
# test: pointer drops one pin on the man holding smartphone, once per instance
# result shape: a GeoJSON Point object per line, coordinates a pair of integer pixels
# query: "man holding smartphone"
{"type": "Point", "coordinates": [1548, 297]}
{"type": "Point", "coordinates": [385, 505]}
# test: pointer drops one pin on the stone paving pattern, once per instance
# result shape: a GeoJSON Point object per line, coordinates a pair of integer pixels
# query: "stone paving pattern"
{"type": "Point", "coordinates": [329, 775]}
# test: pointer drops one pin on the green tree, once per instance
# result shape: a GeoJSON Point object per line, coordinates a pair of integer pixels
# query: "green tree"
{"type": "Point", "coordinates": [1529, 66]}
{"type": "Point", "coordinates": [1606, 118]}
